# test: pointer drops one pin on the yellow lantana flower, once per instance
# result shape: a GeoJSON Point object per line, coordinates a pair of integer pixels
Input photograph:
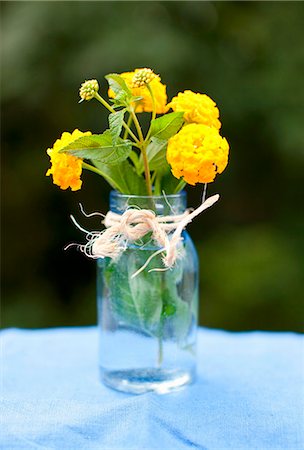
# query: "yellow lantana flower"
{"type": "Point", "coordinates": [145, 105]}
{"type": "Point", "coordinates": [198, 108]}
{"type": "Point", "coordinates": [66, 169]}
{"type": "Point", "coordinates": [197, 153]}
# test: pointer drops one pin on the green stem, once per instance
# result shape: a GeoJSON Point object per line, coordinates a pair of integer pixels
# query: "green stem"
{"type": "Point", "coordinates": [91, 168]}
{"type": "Point", "coordinates": [160, 355]}
{"type": "Point", "coordinates": [157, 185]}
{"type": "Point", "coordinates": [153, 177]}
{"type": "Point", "coordinates": [129, 123]}
{"type": "Point", "coordinates": [153, 111]}
{"type": "Point", "coordinates": [137, 125]}
{"type": "Point", "coordinates": [180, 186]}
{"type": "Point", "coordinates": [112, 110]}
{"type": "Point", "coordinates": [144, 152]}
{"type": "Point", "coordinates": [110, 180]}
{"type": "Point", "coordinates": [134, 158]}
{"type": "Point", "coordinates": [104, 103]}
{"type": "Point", "coordinates": [147, 170]}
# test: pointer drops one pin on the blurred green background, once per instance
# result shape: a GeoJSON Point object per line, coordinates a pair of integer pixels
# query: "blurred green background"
{"type": "Point", "coordinates": [248, 56]}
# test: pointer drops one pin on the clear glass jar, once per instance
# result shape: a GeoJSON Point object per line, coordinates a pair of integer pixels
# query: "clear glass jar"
{"type": "Point", "coordinates": [148, 323]}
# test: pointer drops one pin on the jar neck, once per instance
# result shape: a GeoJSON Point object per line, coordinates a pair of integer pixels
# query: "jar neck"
{"type": "Point", "coordinates": [169, 205]}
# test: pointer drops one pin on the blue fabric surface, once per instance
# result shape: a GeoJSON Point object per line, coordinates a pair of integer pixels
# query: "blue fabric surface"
{"type": "Point", "coordinates": [248, 395]}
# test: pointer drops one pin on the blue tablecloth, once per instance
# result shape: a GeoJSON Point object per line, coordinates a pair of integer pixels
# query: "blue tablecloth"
{"type": "Point", "coordinates": [248, 395]}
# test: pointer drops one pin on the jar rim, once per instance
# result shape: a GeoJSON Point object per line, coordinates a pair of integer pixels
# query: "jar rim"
{"type": "Point", "coordinates": [117, 194]}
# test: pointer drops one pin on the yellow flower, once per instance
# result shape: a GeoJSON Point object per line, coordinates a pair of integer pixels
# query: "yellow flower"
{"type": "Point", "coordinates": [198, 108]}
{"type": "Point", "coordinates": [197, 153]}
{"type": "Point", "coordinates": [66, 169]}
{"type": "Point", "coordinates": [145, 105]}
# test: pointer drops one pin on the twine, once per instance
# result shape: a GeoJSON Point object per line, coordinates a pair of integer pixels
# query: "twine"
{"type": "Point", "coordinates": [133, 225]}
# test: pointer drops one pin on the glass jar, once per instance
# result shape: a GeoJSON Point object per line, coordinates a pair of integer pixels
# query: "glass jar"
{"type": "Point", "coordinates": [148, 323]}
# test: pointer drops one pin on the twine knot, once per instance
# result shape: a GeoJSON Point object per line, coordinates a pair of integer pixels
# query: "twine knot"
{"type": "Point", "coordinates": [133, 225]}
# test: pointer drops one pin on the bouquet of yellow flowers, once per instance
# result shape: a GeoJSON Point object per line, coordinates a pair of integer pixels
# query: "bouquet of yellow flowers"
{"type": "Point", "coordinates": [147, 271]}
{"type": "Point", "coordinates": [179, 147]}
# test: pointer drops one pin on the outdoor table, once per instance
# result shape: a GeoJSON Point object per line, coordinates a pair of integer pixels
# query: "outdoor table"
{"type": "Point", "coordinates": [248, 395]}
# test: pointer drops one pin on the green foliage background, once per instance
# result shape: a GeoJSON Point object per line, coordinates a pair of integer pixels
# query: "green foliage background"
{"type": "Point", "coordinates": [248, 56]}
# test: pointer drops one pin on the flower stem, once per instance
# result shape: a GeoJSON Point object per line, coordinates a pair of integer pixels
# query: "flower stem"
{"type": "Point", "coordinates": [153, 111]}
{"type": "Point", "coordinates": [112, 110]}
{"type": "Point", "coordinates": [147, 170]}
{"type": "Point", "coordinates": [104, 103]}
{"type": "Point", "coordinates": [129, 123]}
{"type": "Point", "coordinates": [204, 193]}
{"type": "Point", "coordinates": [157, 185]}
{"type": "Point", "coordinates": [134, 158]}
{"type": "Point", "coordinates": [160, 355]}
{"type": "Point", "coordinates": [137, 125]}
{"type": "Point", "coordinates": [91, 168]}
{"type": "Point", "coordinates": [143, 148]}
{"type": "Point", "coordinates": [180, 186]}
{"type": "Point", "coordinates": [106, 176]}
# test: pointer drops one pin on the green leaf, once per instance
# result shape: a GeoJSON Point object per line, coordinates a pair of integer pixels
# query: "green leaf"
{"type": "Point", "coordinates": [118, 84]}
{"type": "Point", "coordinates": [115, 122]}
{"type": "Point", "coordinates": [122, 177]}
{"type": "Point", "coordinates": [135, 302]}
{"type": "Point", "coordinates": [166, 126]}
{"type": "Point", "coordinates": [136, 99]}
{"type": "Point", "coordinates": [156, 153]}
{"type": "Point", "coordinates": [122, 99]}
{"type": "Point", "coordinates": [100, 147]}
{"type": "Point", "coordinates": [113, 175]}
{"type": "Point", "coordinates": [174, 307]}
{"type": "Point", "coordinates": [146, 290]}
{"type": "Point", "coordinates": [149, 302]}
{"type": "Point", "coordinates": [135, 160]}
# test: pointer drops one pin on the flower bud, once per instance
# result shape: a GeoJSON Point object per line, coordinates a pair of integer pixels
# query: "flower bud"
{"type": "Point", "coordinates": [142, 77]}
{"type": "Point", "coordinates": [88, 89]}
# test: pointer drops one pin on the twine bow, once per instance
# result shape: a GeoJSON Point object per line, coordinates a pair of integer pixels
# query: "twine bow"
{"type": "Point", "coordinates": [133, 225]}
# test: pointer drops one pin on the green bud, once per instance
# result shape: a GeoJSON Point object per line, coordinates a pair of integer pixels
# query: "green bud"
{"type": "Point", "coordinates": [88, 89]}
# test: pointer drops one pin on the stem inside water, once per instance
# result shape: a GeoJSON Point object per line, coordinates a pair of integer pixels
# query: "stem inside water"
{"type": "Point", "coordinates": [160, 355]}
